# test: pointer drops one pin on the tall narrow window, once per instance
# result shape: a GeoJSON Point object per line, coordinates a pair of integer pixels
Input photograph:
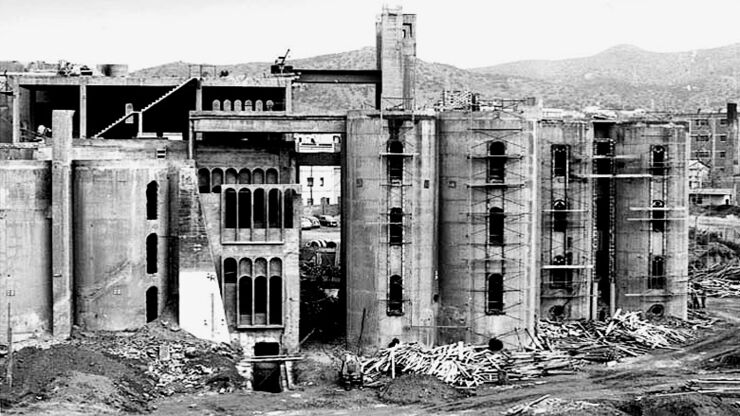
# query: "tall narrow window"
{"type": "Point", "coordinates": [496, 226]}
{"type": "Point", "coordinates": [395, 295]}
{"type": "Point", "coordinates": [559, 160]}
{"type": "Point", "coordinates": [217, 179]}
{"type": "Point", "coordinates": [559, 216]}
{"type": "Point", "coordinates": [151, 200]}
{"type": "Point", "coordinates": [658, 160]}
{"type": "Point", "coordinates": [152, 304]}
{"type": "Point", "coordinates": [276, 300]}
{"type": "Point", "coordinates": [151, 253]}
{"type": "Point", "coordinates": [658, 215]}
{"type": "Point", "coordinates": [229, 272]}
{"type": "Point", "coordinates": [274, 202]}
{"type": "Point", "coordinates": [496, 161]}
{"type": "Point", "coordinates": [260, 300]}
{"type": "Point", "coordinates": [204, 180]}
{"type": "Point", "coordinates": [495, 292]}
{"type": "Point", "coordinates": [245, 300]}
{"type": "Point", "coordinates": [288, 208]}
{"type": "Point", "coordinates": [396, 226]}
{"type": "Point", "coordinates": [259, 208]}
{"type": "Point", "coordinates": [245, 208]}
{"type": "Point", "coordinates": [230, 208]}
{"type": "Point", "coordinates": [395, 160]}
{"type": "Point", "coordinates": [657, 273]}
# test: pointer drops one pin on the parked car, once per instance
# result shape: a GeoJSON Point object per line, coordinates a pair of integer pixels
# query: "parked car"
{"type": "Point", "coordinates": [306, 224]}
{"type": "Point", "coordinates": [328, 221]}
{"type": "Point", "coordinates": [315, 223]}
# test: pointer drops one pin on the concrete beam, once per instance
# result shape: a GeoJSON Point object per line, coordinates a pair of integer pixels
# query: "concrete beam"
{"type": "Point", "coordinates": [266, 122]}
{"type": "Point", "coordinates": [337, 76]}
{"type": "Point", "coordinates": [61, 223]}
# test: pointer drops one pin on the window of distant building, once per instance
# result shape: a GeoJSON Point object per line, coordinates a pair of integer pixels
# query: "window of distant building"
{"type": "Point", "coordinates": [559, 159]}
{"type": "Point", "coordinates": [723, 137]}
{"type": "Point", "coordinates": [701, 122]}
{"type": "Point", "coordinates": [721, 154]}
{"type": "Point", "coordinates": [395, 295]}
{"type": "Point", "coordinates": [495, 294]}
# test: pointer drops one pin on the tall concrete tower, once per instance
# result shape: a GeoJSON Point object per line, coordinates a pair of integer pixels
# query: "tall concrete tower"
{"type": "Point", "coordinates": [396, 49]}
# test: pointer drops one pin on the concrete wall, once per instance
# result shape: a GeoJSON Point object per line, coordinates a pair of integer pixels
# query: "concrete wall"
{"type": "Point", "coordinates": [25, 247]}
{"type": "Point", "coordinates": [576, 190]}
{"type": "Point", "coordinates": [111, 229]}
{"type": "Point", "coordinates": [370, 259]}
{"type": "Point", "coordinates": [636, 240]}
{"type": "Point", "coordinates": [465, 256]}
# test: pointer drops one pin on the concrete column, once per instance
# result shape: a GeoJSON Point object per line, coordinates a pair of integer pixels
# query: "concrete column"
{"type": "Point", "coordinates": [16, 113]}
{"type": "Point", "coordinates": [83, 111]}
{"type": "Point", "coordinates": [61, 224]}
{"type": "Point", "coordinates": [288, 98]}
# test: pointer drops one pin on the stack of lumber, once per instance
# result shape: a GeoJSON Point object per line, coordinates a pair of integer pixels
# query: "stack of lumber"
{"type": "Point", "coordinates": [720, 280]}
{"type": "Point", "coordinates": [725, 386]}
{"type": "Point", "coordinates": [625, 334]}
{"type": "Point", "coordinates": [465, 365]}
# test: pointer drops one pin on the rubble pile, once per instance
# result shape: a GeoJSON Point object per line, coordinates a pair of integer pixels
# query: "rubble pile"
{"type": "Point", "coordinates": [465, 365]}
{"type": "Point", "coordinates": [720, 280]}
{"type": "Point", "coordinates": [625, 334]}
{"type": "Point", "coordinates": [176, 364]}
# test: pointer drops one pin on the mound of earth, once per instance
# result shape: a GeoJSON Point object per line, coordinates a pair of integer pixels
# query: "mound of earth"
{"type": "Point", "coordinates": [681, 405]}
{"type": "Point", "coordinates": [414, 388]}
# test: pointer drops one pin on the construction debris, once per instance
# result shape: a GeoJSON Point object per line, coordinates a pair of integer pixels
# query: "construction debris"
{"type": "Point", "coordinates": [724, 386]}
{"type": "Point", "coordinates": [719, 280]}
{"type": "Point", "coordinates": [625, 334]}
{"type": "Point", "coordinates": [558, 348]}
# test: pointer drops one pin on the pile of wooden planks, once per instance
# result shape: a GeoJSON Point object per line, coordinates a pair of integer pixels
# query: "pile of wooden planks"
{"type": "Point", "coordinates": [465, 365]}
{"type": "Point", "coordinates": [722, 386]}
{"type": "Point", "coordinates": [625, 334]}
{"type": "Point", "coordinates": [720, 280]}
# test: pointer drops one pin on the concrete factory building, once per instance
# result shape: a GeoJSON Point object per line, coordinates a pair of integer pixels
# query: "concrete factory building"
{"type": "Point", "coordinates": [155, 194]}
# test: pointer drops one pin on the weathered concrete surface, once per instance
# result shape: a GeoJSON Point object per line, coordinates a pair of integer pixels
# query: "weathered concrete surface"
{"type": "Point", "coordinates": [266, 122]}
{"type": "Point", "coordinates": [62, 223]}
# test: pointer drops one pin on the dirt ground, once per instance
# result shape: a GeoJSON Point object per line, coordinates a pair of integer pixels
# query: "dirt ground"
{"type": "Point", "coordinates": [651, 385]}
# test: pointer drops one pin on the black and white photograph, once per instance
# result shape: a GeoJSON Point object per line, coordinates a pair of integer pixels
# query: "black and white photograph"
{"type": "Point", "coordinates": [380, 207]}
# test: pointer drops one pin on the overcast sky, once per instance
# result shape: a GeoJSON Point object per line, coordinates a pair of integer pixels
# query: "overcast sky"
{"type": "Point", "coordinates": [464, 33]}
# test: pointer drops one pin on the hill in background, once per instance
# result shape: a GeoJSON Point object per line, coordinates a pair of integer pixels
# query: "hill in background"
{"type": "Point", "coordinates": [622, 77]}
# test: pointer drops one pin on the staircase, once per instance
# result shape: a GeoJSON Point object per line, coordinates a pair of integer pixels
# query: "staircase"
{"type": "Point", "coordinates": [140, 112]}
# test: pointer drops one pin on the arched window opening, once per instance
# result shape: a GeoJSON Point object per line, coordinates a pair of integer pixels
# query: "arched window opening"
{"type": "Point", "coordinates": [271, 176]}
{"type": "Point", "coordinates": [227, 105]}
{"type": "Point", "coordinates": [288, 208]}
{"type": "Point", "coordinates": [245, 208]}
{"type": "Point", "coordinates": [396, 226]}
{"type": "Point", "coordinates": [245, 300]}
{"type": "Point", "coordinates": [276, 300]}
{"type": "Point", "coordinates": [658, 156]}
{"type": "Point", "coordinates": [496, 161]}
{"type": "Point", "coordinates": [269, 105]}
{"type": "Point", "coordinates": [244, 177]}
{"type": "Point", "coordinates": [217, 179]}
{"type": "Point", "coordinates": [245, 267]}
{"type": "Point", "coordinates": [658, 215]}
{"type": "Point", "coordinates": [152, 304]}
{"type": "Point", "coordinates": [258, 105]}
{"type": "Point", "coordinates": [559, 159]}
{"type": "Point", "coordinates": [657, 273]}
{"type": "Point", "coordinates": [395, 162]}
{"type": "Point", "coordinates": [248, 105]}
{"type": "Point", "coordinates": [230, 208]}
{"type": "Point", "coordinates": [258, 177]}
{"type": "Point", "coordinates": [395, 295]}
{"type": "Point", "coordinates": [230, 176]}
{"type": "Point", "coordinates": [216, 105]}
{"type": "Point", "coordinates": [495, 292]}
{"type": "Point", "coordinates": [260, 300]}
{"type": "Point", "coordinates": [259, 208]}
{"type": "Point", "coordinates": [204, 181]}
{"type": "Point", "coordinates": [496, 226]}
{"type": "Point", "coordinates": [151, 253]}
{"type": "Point", "coordinates": [237, 105]}
{"type": "Point", "coordinates": [559, 216]}
{"type": "Point", "coordinates": [275, 214]}
{"type": "Point", "coordinates": [152, 191]}
{"type": "Point", "coordinates": [229, 270]}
